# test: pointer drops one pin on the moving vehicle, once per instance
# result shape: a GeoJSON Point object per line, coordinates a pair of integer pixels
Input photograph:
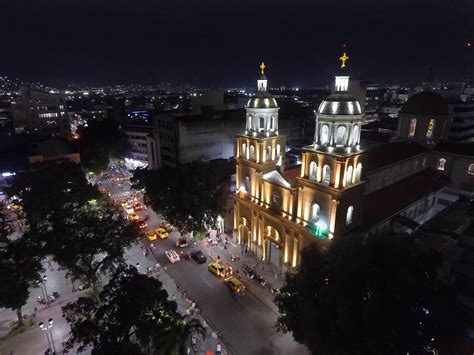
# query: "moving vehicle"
{"type": "Point", "coordinates": [235, 285]}
{"type": "Point", "coordinates": [216, 269]}
{"type": "Point", "coordinates": [137, 207]}
{"type": "Point", "coordinates": [133, 217]}
{"type": "Point", "coordinates": [142, 224]}
{"type": "Point", "coordinates": [162, 233]}
{"type": "Point", "coordinates": [123, 203]}
{"type": "Point", "coordinates": [198, 256]}
{"type": "Point", "coordinates": [151, 235]}
{"type": "Point", "coordinates": [172, 256]}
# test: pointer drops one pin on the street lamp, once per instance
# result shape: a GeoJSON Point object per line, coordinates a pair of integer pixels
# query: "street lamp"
{"type": "Point", "coordinates": [45, 278]}
{"type": "Point", "coordinates": [50, 326]}
{"type": "Point", "coordinates": [44, 328]}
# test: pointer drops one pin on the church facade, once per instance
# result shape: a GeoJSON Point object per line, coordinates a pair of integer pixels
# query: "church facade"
{"type": "Point", "coordinates": [278, 212]}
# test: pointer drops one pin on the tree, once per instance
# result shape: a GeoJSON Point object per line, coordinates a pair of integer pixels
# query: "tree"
{"type": "Point", "coordinates": [6, 223]}
{"type": "Point", "coordinates": [51, 193]}
{"type": "Point", "coordinates": [99, 141]}
{"type": "Point", "coordinates": [369, 295]}
{"type": "Point", "coordinates": [91, 242]}
{"type": "Point", "coordinates": [20, 269]}
{"type": "Point", "coordinates": [132, 315]}
{"type": "Point", "coordinates": [190, 196]}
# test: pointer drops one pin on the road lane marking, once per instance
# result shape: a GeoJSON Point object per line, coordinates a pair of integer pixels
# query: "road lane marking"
{"type": "Point", "coordinates": [208, 283]}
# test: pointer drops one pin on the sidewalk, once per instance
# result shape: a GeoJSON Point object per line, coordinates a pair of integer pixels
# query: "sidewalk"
{"type": "Point", "coordinates": [266, 270]}
{"type": "Point", "coordinates": [188, 308]}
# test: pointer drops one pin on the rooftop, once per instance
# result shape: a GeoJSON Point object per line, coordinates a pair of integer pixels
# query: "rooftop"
{"type": "Point", "coordinates": [390, 153]}
{"type": "Point", "coordinates": [425, 103]}
{"type": "Point", "coordinates": [400, 195]}
{"type": "Point", "coordinates": [456, 148]}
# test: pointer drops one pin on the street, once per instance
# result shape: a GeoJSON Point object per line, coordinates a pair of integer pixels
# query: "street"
{"type": "Point", "coordinates": [246, 324]}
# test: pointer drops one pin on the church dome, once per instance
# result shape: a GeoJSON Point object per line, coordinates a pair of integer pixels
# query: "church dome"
{"type": "Point", "coordinates": [262, 100]}
{"type": "Point", "coordinates": [340, 104]}
{"type": "Point", "coordinates": [425, 103]}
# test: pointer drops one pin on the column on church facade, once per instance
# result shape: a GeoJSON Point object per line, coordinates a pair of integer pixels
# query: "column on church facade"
{"type": "Point", "coordinates": [294, 261]}
{"type": "Point", "coordinates": [237, 235]}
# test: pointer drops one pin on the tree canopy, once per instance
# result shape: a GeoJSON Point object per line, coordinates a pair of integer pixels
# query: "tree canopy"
{"type": "Point", "coordinates": [369, 295]}
{"type": "Point", "coordinates": [132, 315]}
{"type": "Point", "coordinates": [190, 196]}
{"type": "Point", "coordinates": [99, 141]}
{"type": "Point", "coordinates": [20, 269]}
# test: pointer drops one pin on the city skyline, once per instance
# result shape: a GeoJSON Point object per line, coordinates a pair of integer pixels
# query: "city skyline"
{"type": "Point", "coordinates": [211, 44]}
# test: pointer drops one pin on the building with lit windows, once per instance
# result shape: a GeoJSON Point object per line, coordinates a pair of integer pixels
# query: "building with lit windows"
{"type": "Point", "coordinates": [342, 185]}
{"type": "Point", "coordinates": [41, 113]}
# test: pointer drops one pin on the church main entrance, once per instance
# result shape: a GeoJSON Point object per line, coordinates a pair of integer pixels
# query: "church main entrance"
{"type": "Point", "coordinates": [272, 253]}
{"type": "Point", "coordinates": [272, 249]}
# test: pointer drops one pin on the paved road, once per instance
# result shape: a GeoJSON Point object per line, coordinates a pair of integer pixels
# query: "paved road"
{"type": "Point", "coordinates": [247, 324]}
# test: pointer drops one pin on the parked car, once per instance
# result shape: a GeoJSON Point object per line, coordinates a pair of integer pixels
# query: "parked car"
{"type": "Point", "coordinates": [198, 256]}
{"type": "Point", "coordinates": [142, 224]}
{"type": "Point", "coordinates": [123, 203]}
{"type": "Point", "coordinates": [216, 269]}
{"type": "Point", "coordinates": [137, 207]}
{"type": "Point", "coordinates": [162, 233]}
{"type": "Point", "coordinates": [235, 285]}
{"type": "Point", "coordinates": [172, 256]}
{"type": "Point", "coordinates": [182, 243]}
{"type": "Point", "coordinates": [151, 235]}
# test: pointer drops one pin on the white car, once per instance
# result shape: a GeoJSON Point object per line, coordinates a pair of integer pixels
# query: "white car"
{"type": "Point", "coordinates": [172, 256]}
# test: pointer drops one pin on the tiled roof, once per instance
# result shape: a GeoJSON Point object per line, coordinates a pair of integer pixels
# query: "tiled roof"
{"type": "Point", "coordinates": [291, 174]}
{"type": "Point", "coordinates": [456, 148]}
{"type": "Point", "coordinates": [388, 201]}
{"type": "Point", "coordinates": [387, 154]}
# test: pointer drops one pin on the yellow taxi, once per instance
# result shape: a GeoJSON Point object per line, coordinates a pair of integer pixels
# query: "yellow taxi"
{"type": "Point", "coordinates": [162, 233]}
{"type": "Point", "coordinates": [216, 269]}
{"type": "Point", "coordinates": [151, 235]}
{"type": "Point", "coordinates": [123, 203]}
{"type": "Point", "coordinates": [235, 285]}
{"type": "Point", "coordinates": [133, 217]}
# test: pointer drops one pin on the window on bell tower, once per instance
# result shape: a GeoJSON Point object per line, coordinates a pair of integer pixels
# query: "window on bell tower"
{"type": "Point", "coordinates": [326, 175]}
{"type": "Point", "coordinates": [324, 136]}
{"type": "Point", "coordinates": [412, 130]}
{"type": "Point", "coordinates": [313, 169]}
{"type": "Point", "coordinates": [261, 125]}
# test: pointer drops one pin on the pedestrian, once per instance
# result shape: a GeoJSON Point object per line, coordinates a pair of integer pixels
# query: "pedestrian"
{"type": "Point", "coordinates": [218, 349]}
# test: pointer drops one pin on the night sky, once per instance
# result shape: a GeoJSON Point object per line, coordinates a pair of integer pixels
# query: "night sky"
{"type": "Point", "coordinates": [222, 42]}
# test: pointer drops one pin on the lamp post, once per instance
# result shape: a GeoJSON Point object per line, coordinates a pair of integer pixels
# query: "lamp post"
{"type": "Point", "coordinates": [50, 326]}
{"type": "Point", "coordinates": [45, 290]}
{"type": "Point", "coordinates": [45, 329]}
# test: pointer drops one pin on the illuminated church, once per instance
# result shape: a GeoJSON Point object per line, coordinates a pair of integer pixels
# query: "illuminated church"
{"type": "Point", "coordinates": [341, 184]}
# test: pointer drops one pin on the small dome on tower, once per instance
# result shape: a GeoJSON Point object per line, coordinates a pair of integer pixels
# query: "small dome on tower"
{"type": "Point", "coordinates": [425, 103]}
{"type": "Point", "coordinates": [262, 100]}
{"type": "Point", "coordinates": [340, 104]}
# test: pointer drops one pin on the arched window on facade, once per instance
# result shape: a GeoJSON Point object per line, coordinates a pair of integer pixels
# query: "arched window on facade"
{"type": "Point", "coordinates": [340, 135]}
{"type": "Point", "coordinates": [278, 151]}
{"type": "Point", "coordinates": [441, 164]}
{"type": "Point", "coordinates": [261, 124]}
{"type": "Point", "coordinates": [470, 170]}
{"type": "Point", "coordinates": [243, 152]}
{"type": "Point", "coordinates": [269, 153]}
{"type": "Point", "coordinates": [326, 175]}
{"type": "Point", "coordinates": [349, 175]}
{"type": "Point", "coordinates": [412, 128]}
{"type": "Point", "coordinates": [313, 170]}
{"type": "Point", "coordinates": [350, 211]}
{"type": "Point", "coordinates": [355, 135]}
{"type": "Point", "coordinates": [247, 184]}
{"type": "Point", "coordinates": [252, 152]}
{"type": "Point", "coordinates": [429, 131]}
{"type": "Point", "coordinates": [315, 212]}
{"type": "Point", "coordinates": [324, 135]}
{"type": "Point", "coordinates": [358, 172]}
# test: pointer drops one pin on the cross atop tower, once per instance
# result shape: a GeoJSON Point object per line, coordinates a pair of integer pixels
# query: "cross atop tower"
{"type": "Point", "coordinates": [343, 60]}
{"type": "Point", "coordinates": [262, 67]}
